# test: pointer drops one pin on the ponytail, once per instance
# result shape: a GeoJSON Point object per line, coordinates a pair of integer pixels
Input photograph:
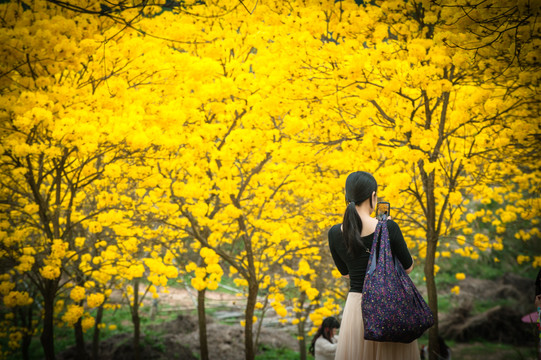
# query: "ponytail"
{"type": "Point", "coordinates": [352, 230]}
{"type": "Point", "coordinates": [360, 186]}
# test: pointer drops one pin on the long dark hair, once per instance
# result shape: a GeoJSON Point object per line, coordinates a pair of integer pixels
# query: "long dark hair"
{"type": "Point", "coordinates": [324, 330]}
{"type": "Point", "coordinates": [360, 186]}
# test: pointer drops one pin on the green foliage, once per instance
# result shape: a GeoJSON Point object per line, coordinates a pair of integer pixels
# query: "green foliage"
{"type": "Point", "coordinates": [64, 338]}
{"type": "Point", "coordinates": [480, 306]}
{"type": "Point", "coordinates": [120, 318]}
{"type": "Point", "coordinates": [268, 353]}
{"type": "Point", "coordinates": [481, 350]}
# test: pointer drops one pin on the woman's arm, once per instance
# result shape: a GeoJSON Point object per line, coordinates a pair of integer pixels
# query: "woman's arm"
{"type": "Point", "coordinates": [410, 269]}
{"type": "Point", "coordinates": [399, 248]}
{"type": "Point", "coordinates": [340, 264]}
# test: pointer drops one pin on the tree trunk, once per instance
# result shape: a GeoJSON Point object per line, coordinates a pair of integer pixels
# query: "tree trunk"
{"type": "Point", "coordinates": [80, 352]}
{"type": "Point", "coordinates": [136, 321]}
{"type": "Point", "coordinates": [301, 325]}
{"type": "Point", "coordinates": [433, 332]}
{"type": "Point", "coordinates": [96, 336]}
{"type": "Point", "coordinates": [26, 317]}
{"type": "Point", "coordinates": [249, 319]}
{"type": "Point", "coordinates": [47, 336]}
{"type": "Point", "coordinates": [201, 317]}
{"type": "Point", "coordinates": [260, 323]}
{"type": "Point", "coordinates": [302, 341]}
{"type": "Point", "coordinates": [432, 246]}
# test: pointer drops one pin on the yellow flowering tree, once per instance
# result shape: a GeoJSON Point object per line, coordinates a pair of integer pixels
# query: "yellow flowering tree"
{"type": "Point", "coordinates": [63, 145]}
{"type": "Point", "coordinates": [436, 125]}
{"type": "Point", "coordinates": [232, 137]}
{"type": "Point", "coordinates": [44, 165]}
{"type": "Point", "coordinates": [226, 168]}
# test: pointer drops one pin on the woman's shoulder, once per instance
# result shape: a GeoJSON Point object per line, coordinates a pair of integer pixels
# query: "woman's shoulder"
{"type": "Point", "coordinates": [392, 225]}
{"type": "Point", "coordinates": [335, 230]}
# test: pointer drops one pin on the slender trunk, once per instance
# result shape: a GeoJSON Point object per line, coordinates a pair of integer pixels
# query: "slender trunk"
{"type": "Point", "coordinates": [80, 352]}
{"type": "Point", "coordinates": [96, 336]}
{"type": "Point", "coordinates": [432, 246]}
{"type": "Point", "coordinates": [301, 328]}
{"type": "Point", "coordinates": [433, 333]}
{"type": "Point", "coordinates": [25, 347]}
{"type": "Point", "coordinates": [47, 335]}
{"type": "Point", "coordinates": [302, 341]}
{"type": "Point", "coordinates": [27, 336]}
{"type": "Point", "coordinates": [136, 321]}
{"type": "Point", "coordinates": [260, 323]}
{"type": "Point", "coordinates": [253, 289]}
{"type": "Point", "coordinates": [201, 317]}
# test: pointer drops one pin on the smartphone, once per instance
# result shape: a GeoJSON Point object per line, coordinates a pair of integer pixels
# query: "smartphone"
{"type": "Point", "coordinates": [383, 210]}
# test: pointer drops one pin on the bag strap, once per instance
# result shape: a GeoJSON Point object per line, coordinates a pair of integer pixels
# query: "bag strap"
{"type": "Point", "coordinates": [375, 247]}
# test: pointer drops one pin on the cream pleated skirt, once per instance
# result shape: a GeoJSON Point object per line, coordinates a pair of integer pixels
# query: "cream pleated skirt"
{"type": "Point", "coordinates": [353, 346]}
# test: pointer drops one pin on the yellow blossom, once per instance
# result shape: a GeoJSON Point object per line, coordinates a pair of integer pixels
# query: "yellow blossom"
{"type": "Point", "coordinates": [77, 293]}
{"type": "Point", "coordinates": [95, 300]}
{"type": "Point", "coordinates": [73, 314]}
{"type": "Point", "coordinates": [50, 272]}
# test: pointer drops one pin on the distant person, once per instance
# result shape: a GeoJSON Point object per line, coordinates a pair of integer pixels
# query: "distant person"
{"type": "Point", "coordinates": [538, 305]}
{"type": "Point", "coordinates": [324, 343]}
{"type": "Point", "coordinates": [350, 244]}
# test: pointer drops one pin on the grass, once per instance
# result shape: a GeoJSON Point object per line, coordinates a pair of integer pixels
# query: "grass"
{"type": "Point", "coordinates": [65, 338]}
{"type": "Point", "coordinates": [494, 351]}
{"type": "Point", "coordinates": [445, 279]}
{"type": "Point", "coordinates": [268, 353]}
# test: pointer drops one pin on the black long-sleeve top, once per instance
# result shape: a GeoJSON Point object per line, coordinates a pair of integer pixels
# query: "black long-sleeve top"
{"type": "Point", "coordinates": [355, 265]}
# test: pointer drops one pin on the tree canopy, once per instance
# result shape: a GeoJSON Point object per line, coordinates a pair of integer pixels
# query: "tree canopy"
{"type": "Point", "coordinates": [133, 133]}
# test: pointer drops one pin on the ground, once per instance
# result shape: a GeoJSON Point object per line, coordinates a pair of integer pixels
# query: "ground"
{"type": "Point", "coordinates": [471, 332]}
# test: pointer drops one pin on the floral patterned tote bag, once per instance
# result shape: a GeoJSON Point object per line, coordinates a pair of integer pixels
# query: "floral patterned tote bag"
{"type": "Point", "coordinates": [393, 309]}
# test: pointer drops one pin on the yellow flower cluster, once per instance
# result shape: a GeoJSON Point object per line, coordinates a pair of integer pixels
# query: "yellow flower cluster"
{"type": "Point", "coordinates": [209, 276]}
{"type": "Point", "coordinates": [159, 272]}
{"type": "Point", "coordinates": [17, 298]}
{"type": "Point", "coordinates": [522, 258]}
{"type": "Point", "coordinates": [468, 251]}
{"type": "Point", "coordinates": [6, 287]}
{"type": "Point", "coordinates": [306, 286]}
{"type": "Point", "coordinates": [15, 338]}
{"type": "Point", "coordinates": [77, 293]}
{"type": "Point", "coordinates": [317, 316]}
{"type": "Point", "coordinates": [87, 323]}
{"type": "Point", "coordinates": [26, 263]}
{"type": "Point", "coordinates": [481, 241]}
{"type": "Point", "coordinates": [95, 300]}
{"type": "Point", "coordinates": [72, 314]}
{"type": "Point", "coordinates": [50, 272]}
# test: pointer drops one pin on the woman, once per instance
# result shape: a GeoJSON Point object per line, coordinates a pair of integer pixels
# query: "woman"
{"type": "Point", "coordinates": [323, 345]}
{"type": "Point", "coordinates": [350, 244]}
